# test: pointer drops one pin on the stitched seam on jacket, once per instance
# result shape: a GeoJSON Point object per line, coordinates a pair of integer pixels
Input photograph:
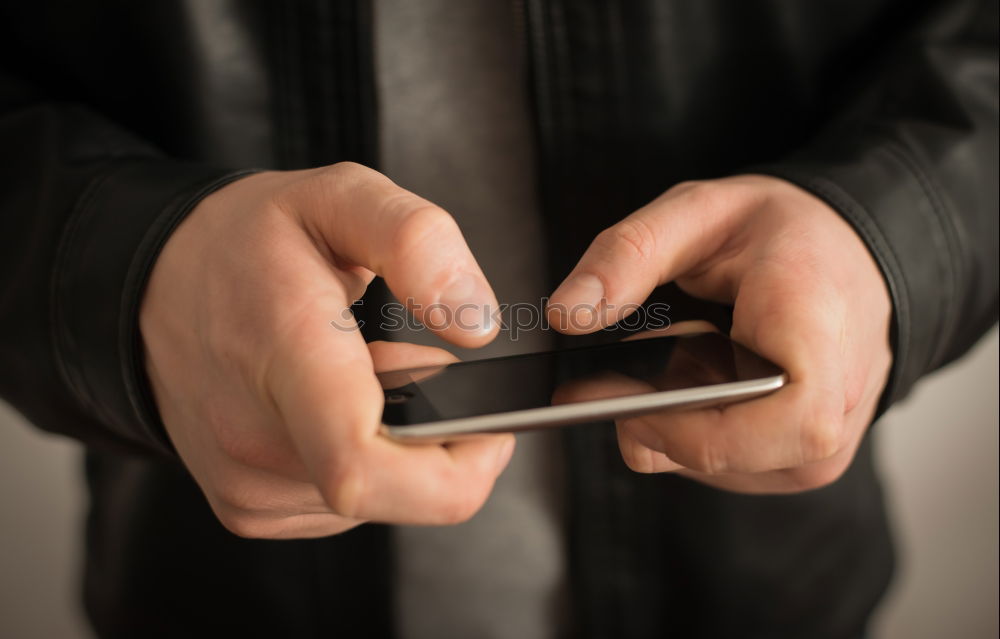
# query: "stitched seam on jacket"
{"type": "Point", "coordinates": [946, 320]}
{"type": "Point", "coordinates": [61, 336]}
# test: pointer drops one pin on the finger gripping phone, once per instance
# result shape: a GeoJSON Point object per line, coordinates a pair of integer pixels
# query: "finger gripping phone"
{"type": "Point", "coordinates": [579, 385]}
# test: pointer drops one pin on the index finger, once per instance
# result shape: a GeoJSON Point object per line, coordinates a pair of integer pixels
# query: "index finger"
{"type": "Point", "coordinates": [417, 247]}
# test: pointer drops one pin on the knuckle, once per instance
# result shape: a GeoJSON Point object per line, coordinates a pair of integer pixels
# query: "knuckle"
{"type": "Point", "coordinates": [344, 490]}
{"type": "Point", "coordinates": [822, 437]}
{"type": "Point", "coordinates": [684, 188]}
{"type": "Point", "coordinates": [706, 456]}
{"type": "Point", "coordinates": [345, 167]}
{"type": "Point", "coordinates": [342, 172]}
{"type": "Point", "coordinates": [329, 182]}
{"type": "Point", "coordinates": [718, 196]}
{"type": "Point", "coordinates": [416, 223]}
{"type": "Point", "coordinates": [632, 235]}
{"type": "Point", "coordinates": [714, 459]}
{"type": "Point", "coordinates": [703, 195]}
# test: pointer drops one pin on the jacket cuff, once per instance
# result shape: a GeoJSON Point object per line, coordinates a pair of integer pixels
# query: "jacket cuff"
{"type": "Point", "coordinates": [106, 254]}
{"type": "Point", "coordinates": [890, 203]}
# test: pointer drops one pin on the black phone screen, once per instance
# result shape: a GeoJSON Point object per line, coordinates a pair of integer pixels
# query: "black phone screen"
{"type": "Point", "coordinates": [535, 380]}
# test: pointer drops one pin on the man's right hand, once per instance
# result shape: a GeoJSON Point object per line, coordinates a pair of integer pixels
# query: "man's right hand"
{"type": "Point", "coordinates": [265, 385]}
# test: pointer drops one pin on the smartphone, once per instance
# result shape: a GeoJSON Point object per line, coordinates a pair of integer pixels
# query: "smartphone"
{"type": "Point", "coordinates": [543, 390]}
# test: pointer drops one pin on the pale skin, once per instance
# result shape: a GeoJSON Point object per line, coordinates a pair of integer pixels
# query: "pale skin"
{"type": "Point", "coordinates": [276, 413]}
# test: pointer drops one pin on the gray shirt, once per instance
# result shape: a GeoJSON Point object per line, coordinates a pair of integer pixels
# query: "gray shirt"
{"type": "Point", "coordinates": [455, 129]}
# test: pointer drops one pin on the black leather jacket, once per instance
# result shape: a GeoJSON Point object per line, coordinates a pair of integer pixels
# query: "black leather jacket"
{"type": "Point", "coordinates": [116, 117]}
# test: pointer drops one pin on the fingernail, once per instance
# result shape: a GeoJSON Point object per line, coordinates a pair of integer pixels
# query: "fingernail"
{"type": "Point", "coordinates": [468, 301]}
{"type": "Point", "coordinates": [578, 299]}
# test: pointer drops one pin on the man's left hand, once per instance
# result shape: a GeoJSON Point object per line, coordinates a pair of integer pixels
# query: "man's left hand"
{"type": "Point", "coordinates": [807, 295]}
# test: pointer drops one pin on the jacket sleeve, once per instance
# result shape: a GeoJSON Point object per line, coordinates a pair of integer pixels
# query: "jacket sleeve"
{"type": "Point", "coordinates": [84, 209]}
{"type": "Point", "coordinates": [912, 165]}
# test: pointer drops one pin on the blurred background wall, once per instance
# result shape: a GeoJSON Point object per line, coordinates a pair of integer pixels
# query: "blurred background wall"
{"type": "Point", "coordinates": [939, 461]}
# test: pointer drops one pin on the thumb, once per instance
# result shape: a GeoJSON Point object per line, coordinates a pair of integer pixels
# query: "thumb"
{"type": "Point", "coordinates": [367, 221]}
{"type": "Point", "coordinates": [680, 231]}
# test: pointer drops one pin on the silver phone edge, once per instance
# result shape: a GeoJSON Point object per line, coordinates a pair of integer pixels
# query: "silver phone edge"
{"type": "Point", "coordinates": [581, 412]}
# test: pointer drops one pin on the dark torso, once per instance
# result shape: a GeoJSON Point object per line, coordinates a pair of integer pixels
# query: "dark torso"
{"type": "Point", "coordinates": [628, 98]}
